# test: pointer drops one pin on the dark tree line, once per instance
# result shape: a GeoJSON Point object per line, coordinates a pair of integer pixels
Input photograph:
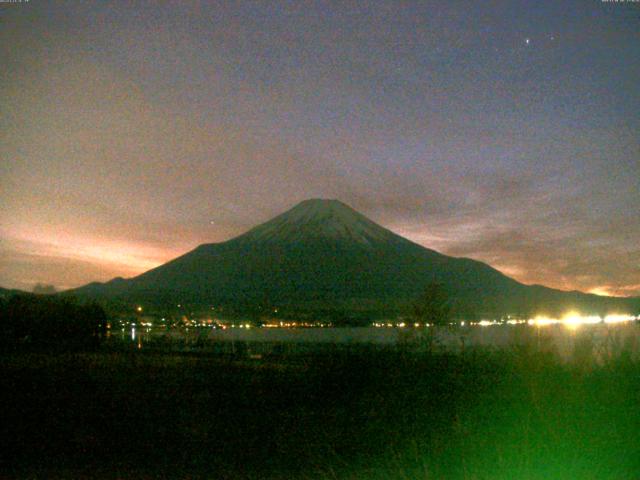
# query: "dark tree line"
{"type": "Point", "coordinates": [49, 321]}
{"type": "Point", "coordinates": [433, 306]}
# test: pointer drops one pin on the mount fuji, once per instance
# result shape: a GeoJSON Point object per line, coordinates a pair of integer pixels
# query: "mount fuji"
{"type": "Point", "coordinates": [324, 255]}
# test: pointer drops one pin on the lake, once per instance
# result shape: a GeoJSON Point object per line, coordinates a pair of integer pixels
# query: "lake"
{"type": "Point", "coordinates": [561, 338]}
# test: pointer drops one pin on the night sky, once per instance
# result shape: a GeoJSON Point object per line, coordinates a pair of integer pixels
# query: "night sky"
{"type": "Point", "coordinates": [507, 132]}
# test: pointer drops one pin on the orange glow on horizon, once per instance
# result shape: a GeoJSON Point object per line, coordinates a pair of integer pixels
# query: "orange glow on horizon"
{"type": "Point", "coordinates": [83, 258]}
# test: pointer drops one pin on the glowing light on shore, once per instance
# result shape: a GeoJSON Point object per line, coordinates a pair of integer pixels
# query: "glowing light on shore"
{"type": "Point", "coordinates": [574, 320]}
{"type": "Point", "coordinates": [541, 321]}
{"type": "Point", "coordinates": [486, 323]}
{"type": "Point", "coordinates": [571, 320]}
{"type": "Point", "coordinates": [616, 318]}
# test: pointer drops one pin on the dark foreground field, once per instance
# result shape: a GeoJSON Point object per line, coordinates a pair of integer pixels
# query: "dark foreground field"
{"type": "Point", "coordinates": [388, 415]}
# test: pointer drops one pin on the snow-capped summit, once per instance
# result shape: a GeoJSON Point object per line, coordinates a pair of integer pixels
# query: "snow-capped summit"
{"type": "Point", "coordinates": [320, 218]}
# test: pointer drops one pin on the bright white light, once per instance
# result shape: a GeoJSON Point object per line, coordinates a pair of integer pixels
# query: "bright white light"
{"type": "Point", "coordinates": [542, 321]}
{"type": "Point", "coordinates": [618, 318]}
{"type": "Point", "coordinates": [574, 320]}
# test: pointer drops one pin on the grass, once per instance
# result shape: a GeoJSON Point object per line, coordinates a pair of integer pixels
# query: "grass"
{"type": "Point", "coordinates": [510, 414]}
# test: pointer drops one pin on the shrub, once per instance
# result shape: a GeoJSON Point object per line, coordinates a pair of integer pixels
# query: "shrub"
{"type": "Point", "coordinates": [51, 321]}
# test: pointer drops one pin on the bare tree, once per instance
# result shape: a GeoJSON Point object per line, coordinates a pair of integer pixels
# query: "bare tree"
{"type": "Point", "coordinates": [432, 307]}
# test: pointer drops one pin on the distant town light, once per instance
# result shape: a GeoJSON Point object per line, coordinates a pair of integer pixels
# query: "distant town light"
{"type": "Point", "coordinates": [486, 323]}
{"type": "Point", "coordinates": [616, 318]}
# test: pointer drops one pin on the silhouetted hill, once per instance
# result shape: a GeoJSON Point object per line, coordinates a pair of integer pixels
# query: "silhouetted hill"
{"type": "Point", "coordinates": [323, 255]}
{"type": "Point", "coordinates": [8, 292]}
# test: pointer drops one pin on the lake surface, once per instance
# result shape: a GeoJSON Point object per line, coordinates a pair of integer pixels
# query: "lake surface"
{"type": "Point", "coordinates": [559, 338]}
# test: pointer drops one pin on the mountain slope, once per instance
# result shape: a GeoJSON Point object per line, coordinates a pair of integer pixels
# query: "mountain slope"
{"type": "Point", "coordinates": [323, 254]}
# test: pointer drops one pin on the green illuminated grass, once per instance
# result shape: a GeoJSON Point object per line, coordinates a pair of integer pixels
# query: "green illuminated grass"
{"type": "Point", "coordinates": [514, 414]}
